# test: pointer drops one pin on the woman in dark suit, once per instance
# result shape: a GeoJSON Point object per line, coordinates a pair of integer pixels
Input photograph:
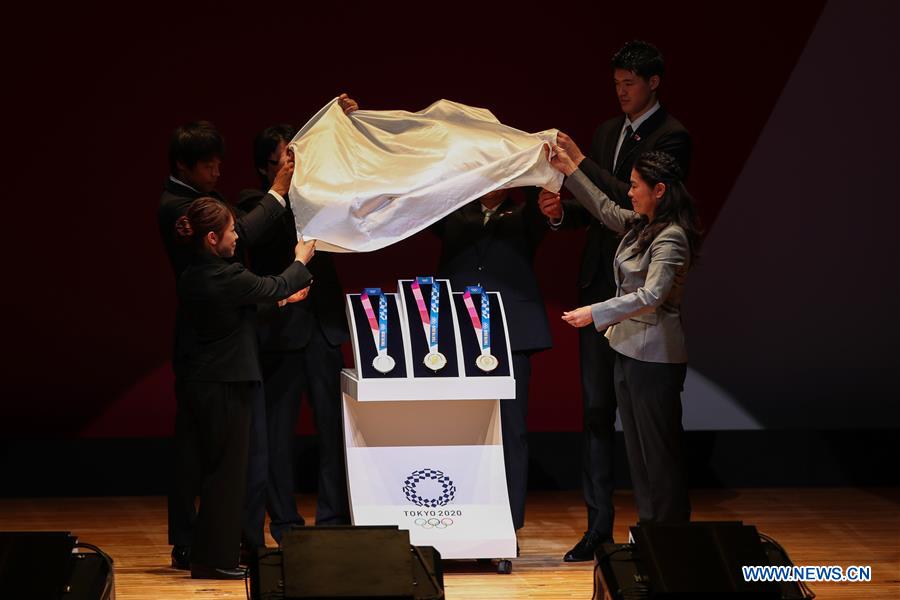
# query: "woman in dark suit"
{"type": "Point", "coordinates": [660, 240]}
{"type": "Point", "coordinates": [222, 376]}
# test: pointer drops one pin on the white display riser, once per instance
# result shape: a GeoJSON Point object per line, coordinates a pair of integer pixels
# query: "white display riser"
{"type": "Point", "coordinates": [455, 448]}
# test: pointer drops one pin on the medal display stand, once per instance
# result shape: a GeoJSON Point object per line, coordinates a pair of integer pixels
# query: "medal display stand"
{"type": "Point", "coordinates": [423, 445]}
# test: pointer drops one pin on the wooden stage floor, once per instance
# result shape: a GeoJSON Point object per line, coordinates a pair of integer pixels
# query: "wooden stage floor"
{"type": "Point", "coordinates": [816, 526]}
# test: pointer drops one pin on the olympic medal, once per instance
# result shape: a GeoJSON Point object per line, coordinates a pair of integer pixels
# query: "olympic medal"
{"type": "Point", "coordinates": [487, 362]}
{"type": "Point", "coordinates": [383, 363]}
{"type": "Point", "coordinates": [435, 361]}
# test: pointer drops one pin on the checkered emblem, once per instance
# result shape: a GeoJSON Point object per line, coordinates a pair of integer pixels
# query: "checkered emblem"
{"type": "Point", "coordinates": [448, 490]}
{"type": "Point", "coordinates": [382, 309]}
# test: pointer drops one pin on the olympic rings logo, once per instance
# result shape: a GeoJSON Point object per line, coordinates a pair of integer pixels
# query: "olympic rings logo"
{"type": "Point", "coordinates": [410, 488]}
{"type": "Point", "coordinates": [433, 523]}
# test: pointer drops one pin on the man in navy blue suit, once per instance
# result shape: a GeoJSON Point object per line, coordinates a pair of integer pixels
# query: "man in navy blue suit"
{"type": "Point", "coordinates": [492, 242]}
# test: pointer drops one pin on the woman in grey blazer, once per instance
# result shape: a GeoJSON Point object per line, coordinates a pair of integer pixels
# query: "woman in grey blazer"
{"type": "Point", "coordinates": [660, 241]}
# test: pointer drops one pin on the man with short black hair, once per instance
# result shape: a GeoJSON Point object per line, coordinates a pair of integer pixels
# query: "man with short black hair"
{"type": "Point", "coordinates": [299, 351]}
{"type": "Point", "coordinates": [637, 68]}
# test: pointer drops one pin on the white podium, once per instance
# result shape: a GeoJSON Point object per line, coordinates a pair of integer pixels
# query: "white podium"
{"type": "Point", "coordinates": [424, 448]}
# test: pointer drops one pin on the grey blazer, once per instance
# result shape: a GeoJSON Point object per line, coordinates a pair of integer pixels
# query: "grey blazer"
{"type": "Point", "coordinates": [644, 318]}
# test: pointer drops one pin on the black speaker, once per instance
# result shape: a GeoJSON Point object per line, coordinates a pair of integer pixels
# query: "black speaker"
{"type": "Point", "coordinates": [685, 560]}
{"type": "Point", "coordinates": [43, 565]}
{"type": "Point", "coordinates": [317, 563]}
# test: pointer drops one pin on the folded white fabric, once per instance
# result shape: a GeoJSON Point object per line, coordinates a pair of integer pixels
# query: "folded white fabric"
{"type": "Point", "coordinates": [374, 177]}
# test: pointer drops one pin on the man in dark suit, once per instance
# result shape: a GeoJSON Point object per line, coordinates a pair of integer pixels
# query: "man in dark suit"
{"type": "Point", "coordinates": [299, 350]}
{"type": "Point", "coordinates": [195, 155]}
{"type": "Point", "coordinates": [492, 242]}
{"type": "Point", "coordinates": [643, 126]}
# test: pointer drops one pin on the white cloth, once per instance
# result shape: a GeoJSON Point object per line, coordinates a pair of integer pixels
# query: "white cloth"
{"type": "Point", "coordinates": [372, 178]}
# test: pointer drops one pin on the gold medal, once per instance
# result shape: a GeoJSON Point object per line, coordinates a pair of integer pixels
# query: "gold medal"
{"type": "Point", "coordinates": [487, 362]}
{"type": "Point", "coordinates": [435, 361]}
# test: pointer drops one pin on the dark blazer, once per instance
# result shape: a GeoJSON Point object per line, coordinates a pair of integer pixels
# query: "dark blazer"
{"type": "Point", "coordinates": [219, 302]}
{"type": "Point", "coordinates": [500, 257]}
{"type": "Point", "coordinates": [660, 132]}
{"type": "Point", "coordinates": [291, 327]}
{"type": "Point", "coordinates": [175, 201]}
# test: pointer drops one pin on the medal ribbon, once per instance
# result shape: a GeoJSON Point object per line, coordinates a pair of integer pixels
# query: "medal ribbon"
{"type": "Point", "coordinates": [429, 318]}
{"type": "Point", "coordinates": [482, 326]}
{"type": "Point", "coordinates": [378, 326]}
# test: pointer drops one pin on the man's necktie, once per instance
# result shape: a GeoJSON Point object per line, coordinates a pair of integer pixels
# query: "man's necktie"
{"type": "Point", "coordinates": [488, 213]}
{"type": "Point", "coordinates": [628, 144]}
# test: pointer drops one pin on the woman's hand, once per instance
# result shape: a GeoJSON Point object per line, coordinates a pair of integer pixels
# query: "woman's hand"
{"type": "Point", "coordinates": [578, 317]}
{"type": "Point", "coordinates": [562, 160]}
{"type": "Point", "coordinates": [304, 251]}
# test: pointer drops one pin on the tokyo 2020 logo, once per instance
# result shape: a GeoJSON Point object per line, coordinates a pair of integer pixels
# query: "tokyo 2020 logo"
{"type": "Point", "coordinates": [444, 497]}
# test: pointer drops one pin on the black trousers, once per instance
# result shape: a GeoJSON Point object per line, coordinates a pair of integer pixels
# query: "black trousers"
{"type": "Point", "coordinates": [187, 473]}
{"type": "Point", "coordinates": [219, 415]}
{"type": "Point", "coordinates": [254, 516]}
{"type": "Point", "coordinates": [185, 484]}
{"type": "Point", "coordinates": [315, 369]}
{"type": "Point", "coordinates": [514, 428]}
{"type": "Point", "coordinates": [599, 413]}
{"type": "Point", "coordinates": [649, 396]}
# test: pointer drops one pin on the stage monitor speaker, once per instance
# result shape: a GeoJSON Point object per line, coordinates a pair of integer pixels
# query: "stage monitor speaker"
{"type": "Point", "coordinates": [348, 562]}
{"type": "Point", "coordinates": [684, 561]}
{"type": "Point", "coordinates": [43, 565]}
{"type": "Point", "coordinates": [701, 557]}
{"type": "Point", "coordinates": [36, 564]}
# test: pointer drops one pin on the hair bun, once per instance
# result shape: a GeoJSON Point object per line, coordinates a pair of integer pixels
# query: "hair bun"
{"type": "Point", "coordinates": [663, 165]}
{"type": "Point", "coordinates": [183, 227]}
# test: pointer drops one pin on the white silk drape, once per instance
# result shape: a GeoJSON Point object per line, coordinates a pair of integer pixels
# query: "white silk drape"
{"type": "Point", "coordinates": [372, 178]}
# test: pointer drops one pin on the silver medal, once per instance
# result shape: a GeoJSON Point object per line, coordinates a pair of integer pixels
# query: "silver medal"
{"type": "Point", "coordinates": [383, 363]}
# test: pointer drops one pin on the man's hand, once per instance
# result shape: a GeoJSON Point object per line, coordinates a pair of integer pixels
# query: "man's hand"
{"type": "Point", "coordinates": [571, 148]}
{"type": "Point", "coordinates": [282, 183]}
{"type": "Point", "coordinates": [550, 205]}
{"type": "Point", "coordinates": [578, 317]}
{"type": "Point", "coordinates": [347, 103]}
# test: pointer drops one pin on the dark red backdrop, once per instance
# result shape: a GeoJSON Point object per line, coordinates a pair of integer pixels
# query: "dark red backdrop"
{"type": "Point", "coordinates": [93, 96]}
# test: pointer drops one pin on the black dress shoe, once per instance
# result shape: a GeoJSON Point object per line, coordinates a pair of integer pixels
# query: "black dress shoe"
{"type": "Point", "coordinates": [249, 556]}
{"type": "Point", "coordinates": [181, 557]}
{"type": "Point", "coordinates": [585, 548]}
{"type": "Point", "coordinates": [204, 572]}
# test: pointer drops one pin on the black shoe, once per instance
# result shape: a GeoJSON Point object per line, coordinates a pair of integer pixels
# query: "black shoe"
{"type": "Point", "coordinates": [203, 572]}
{"type": "Point", "coordinates": [181, 558]}
{"type": "Point", "coordinates": [585, 548]}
